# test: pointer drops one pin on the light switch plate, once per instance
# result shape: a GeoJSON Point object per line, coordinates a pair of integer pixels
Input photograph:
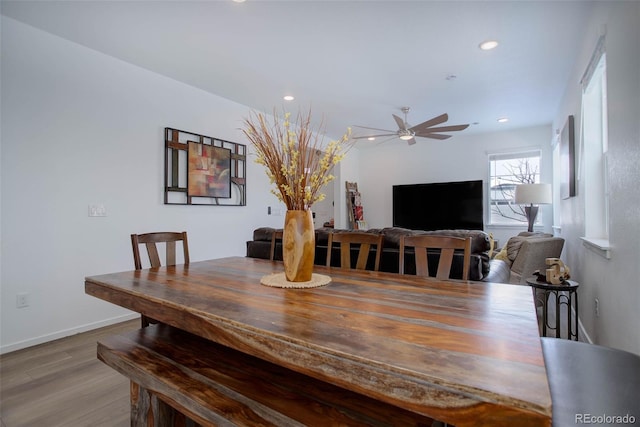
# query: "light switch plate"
{"type": "Point", "coordinates": [97, 210]}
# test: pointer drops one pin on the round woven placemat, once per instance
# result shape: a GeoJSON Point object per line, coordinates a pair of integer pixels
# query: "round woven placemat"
{"type": "Point", "coordinates": [279, 280]}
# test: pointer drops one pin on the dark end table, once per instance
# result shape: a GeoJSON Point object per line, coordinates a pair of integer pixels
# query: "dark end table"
{"type": "Point", "coordinates": [564, 294]}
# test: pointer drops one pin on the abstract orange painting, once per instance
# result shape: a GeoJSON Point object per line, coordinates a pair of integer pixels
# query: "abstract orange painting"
{"type": "Point", "coordinates": [209, 171]}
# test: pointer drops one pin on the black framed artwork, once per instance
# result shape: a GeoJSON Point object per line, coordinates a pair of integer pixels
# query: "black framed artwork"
{"type": "Point", "coordinates": [567, 160]}
{"type": "Point", "coordinates": [202, 170]}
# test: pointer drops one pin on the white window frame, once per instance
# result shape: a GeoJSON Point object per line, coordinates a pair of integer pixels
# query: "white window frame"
{"type": "Point", "coordinates": [494, 181]}
{"type": "Point", "coordinates": [593, 166]}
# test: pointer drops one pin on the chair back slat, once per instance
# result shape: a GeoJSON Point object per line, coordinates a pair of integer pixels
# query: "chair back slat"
{"type": "Point", "coordinates": [422, 263]}
{"type": "Point", "coordinates": [171, 253]}
{"type": "Point", "coordinates": [444, 264]}
{"type": "Point", "coordinates": [447, 246]}
{"type": "Point", "coordinates": [275, 238]}
{"type": "Point", "coordinates": [363, 256]}
{"type": "Point", "coordinates": [345, 254]}
{"type": "Point", "coordinates": [154, 257]}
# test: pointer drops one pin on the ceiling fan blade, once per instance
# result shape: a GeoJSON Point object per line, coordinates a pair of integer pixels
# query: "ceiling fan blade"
{"type": "Point", "coordinates": [364, 127]}
{"type": "Point", "coordinates": [434, 136]}
{"type": "Point", "coordinates": [374, 136]}
{"type": "Point", "coordinates": [385, 141]}
{"type": "Point", "coordinates": [432, 122]}
{"type": "Point", "coordinates": [400, 122]}
{"type": "Point", "coordinates": [452, 128]}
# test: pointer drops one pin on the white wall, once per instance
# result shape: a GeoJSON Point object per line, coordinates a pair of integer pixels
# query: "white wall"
{"type": "Point", "coordinates": [460, 158]}
{"type": "Point", "coordinates": [79, 128]}
{"type": "Point", "coordinates": [615, 282]}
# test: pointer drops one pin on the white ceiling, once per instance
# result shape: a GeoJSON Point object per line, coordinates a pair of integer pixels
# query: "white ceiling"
{"type": "Point", "coordinates": [353, 62]}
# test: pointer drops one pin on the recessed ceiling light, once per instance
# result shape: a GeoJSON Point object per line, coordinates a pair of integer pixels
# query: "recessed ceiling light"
{"type": "Point", "coordinates": [503, 120]}
{"type": "Point", "coordinates": [239, 1]}
{"type": "Point", "coordinates": [371, 138]}
{"type": "Point", "coordinates": [488, 45]}
{"type": "Point", "coordinates": [288, 98]}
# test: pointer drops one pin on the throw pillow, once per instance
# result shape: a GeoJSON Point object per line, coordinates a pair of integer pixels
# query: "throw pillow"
{"type": "Point", "coordinates": [492, 245]}
{"type": "Point", "coordinates": [513, 247]}
{"type": "Point", "coordinates": [502, 255]}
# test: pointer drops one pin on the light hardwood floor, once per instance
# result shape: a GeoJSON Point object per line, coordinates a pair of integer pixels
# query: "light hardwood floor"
{"type": "Point", "coordinates": [62, 383]}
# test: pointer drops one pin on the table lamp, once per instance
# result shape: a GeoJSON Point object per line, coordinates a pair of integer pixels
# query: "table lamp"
{"type": "Point", "coordinates": [532, 194]}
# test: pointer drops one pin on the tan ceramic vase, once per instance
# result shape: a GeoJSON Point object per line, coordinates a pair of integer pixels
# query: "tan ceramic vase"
{"type": "Point", "coordinates": [298, 245]}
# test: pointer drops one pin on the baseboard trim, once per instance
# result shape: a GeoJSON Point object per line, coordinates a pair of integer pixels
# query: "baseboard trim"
{"type": "Point", "coordinates": [66, 333]}
{"type": "Point", "coordinates": [582, 331]}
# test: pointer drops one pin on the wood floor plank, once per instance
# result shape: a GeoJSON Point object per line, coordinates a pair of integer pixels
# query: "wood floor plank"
{"type": "Point", "coordinates": [62, 383]}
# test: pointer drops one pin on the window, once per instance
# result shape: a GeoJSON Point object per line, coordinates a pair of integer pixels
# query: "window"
{"type": "Point", "coordinates": [593, 165]}
{"type": "Point", "coordinates": [506, 170]}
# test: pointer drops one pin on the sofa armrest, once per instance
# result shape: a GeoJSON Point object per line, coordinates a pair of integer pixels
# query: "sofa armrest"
{"type": "Point", "coordinates": [532, 256]}
{"type": "Point", "coordinates": [499, 272]}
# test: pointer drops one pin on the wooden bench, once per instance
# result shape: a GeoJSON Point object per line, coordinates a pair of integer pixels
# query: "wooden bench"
{"type": "Point", "coordinates": [179, 379]}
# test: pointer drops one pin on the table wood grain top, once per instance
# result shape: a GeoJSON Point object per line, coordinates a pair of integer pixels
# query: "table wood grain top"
{"type": "Point", "coordinates": [467, 353]}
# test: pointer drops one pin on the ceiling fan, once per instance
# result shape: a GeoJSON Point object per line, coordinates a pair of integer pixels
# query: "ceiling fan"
{"type": "Point", "coordinates": [423, 130]}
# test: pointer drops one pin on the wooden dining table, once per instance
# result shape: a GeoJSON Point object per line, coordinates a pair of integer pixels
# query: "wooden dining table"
{"type": "Point", "coordinates": [466, 353]}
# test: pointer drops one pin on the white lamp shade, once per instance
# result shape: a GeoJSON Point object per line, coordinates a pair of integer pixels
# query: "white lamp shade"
{"type": "Point", "coordinates": [535, 194]}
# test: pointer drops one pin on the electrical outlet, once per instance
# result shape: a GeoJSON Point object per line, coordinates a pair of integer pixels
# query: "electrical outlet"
{"type": "Point", "coordinates": [22, 300]}
{"type": "Point", "coordinates": [597, 307]}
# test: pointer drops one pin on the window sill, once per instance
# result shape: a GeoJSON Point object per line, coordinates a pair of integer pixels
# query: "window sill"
{"type": "Point", "coordinates": [599, 246]}
{"type": "Point", "coordinates": [505, 226]}
{"type": "Point", "coordinates": [536, 226]}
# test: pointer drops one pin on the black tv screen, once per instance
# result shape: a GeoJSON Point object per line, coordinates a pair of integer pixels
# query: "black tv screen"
{"type": "Point", "coordinates": [439, 206]}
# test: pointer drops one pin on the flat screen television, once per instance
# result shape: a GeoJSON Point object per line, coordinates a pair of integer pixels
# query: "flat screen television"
{"type": "Point", "coordinates": [439, 206]}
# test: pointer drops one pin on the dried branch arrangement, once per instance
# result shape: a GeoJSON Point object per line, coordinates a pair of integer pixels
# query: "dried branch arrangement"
{"type": "Point", "coordinates": [294, 156]}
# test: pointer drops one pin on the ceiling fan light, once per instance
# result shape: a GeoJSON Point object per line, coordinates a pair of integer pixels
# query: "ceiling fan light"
{"type": "Point", "coordinates": [406, 137]}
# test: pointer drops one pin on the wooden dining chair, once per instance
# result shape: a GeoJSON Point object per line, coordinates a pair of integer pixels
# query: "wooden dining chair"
{"type": "Point", "coordinates": [365, 241]}
{"type": "Point", "coordinates": [447, 246]}
{"type": "Point", "coordinates": [275, 238]}
{"type": "Point", "coordinates": [151, 241]}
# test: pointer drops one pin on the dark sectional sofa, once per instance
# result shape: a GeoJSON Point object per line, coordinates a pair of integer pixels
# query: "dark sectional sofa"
{"type": "Point", "coordinates": [480, 270]}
